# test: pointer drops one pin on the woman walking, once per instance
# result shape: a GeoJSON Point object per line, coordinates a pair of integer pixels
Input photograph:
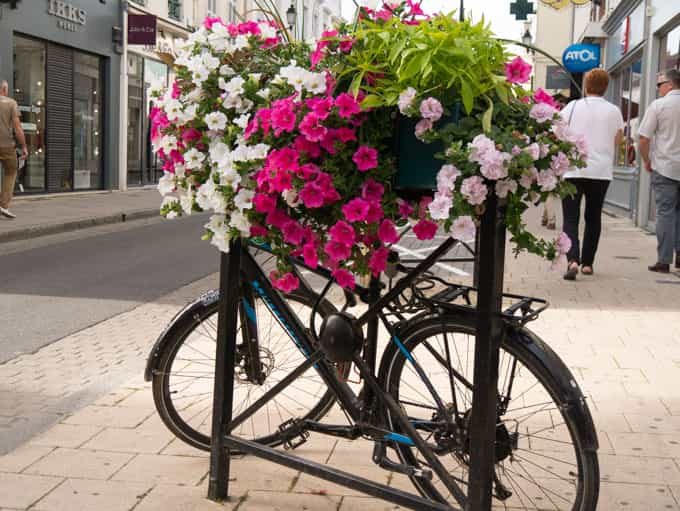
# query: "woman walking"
{"type": "Point", "coordinates": [600, 122]}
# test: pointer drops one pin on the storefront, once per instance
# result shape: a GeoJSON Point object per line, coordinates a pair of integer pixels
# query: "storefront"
{"type": "Point", "coordinates": [641, 42]}
{"type": "Point", "coordinates": [145, 69]}
{"type": "Point", "coordinates": [60, 61]}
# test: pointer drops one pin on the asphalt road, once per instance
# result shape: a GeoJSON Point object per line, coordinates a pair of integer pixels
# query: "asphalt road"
{"type": "Point", "coordinates": [51, 287]}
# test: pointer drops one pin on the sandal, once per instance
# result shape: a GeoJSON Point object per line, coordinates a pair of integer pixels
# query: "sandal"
{"type": "Point", "coordinates": [587, 270]}
{"type": "Point", "coordinates": [572, 271]}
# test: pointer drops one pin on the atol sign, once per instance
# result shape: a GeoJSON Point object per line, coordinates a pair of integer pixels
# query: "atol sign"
{"type": "Point", "coordinates": [579, 58]}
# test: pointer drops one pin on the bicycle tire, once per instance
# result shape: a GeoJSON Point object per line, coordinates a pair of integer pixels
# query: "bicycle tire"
{"type": "Point", "coordinates": [171, 412]}
{"type": "Point", "coordinates": [523, 346]}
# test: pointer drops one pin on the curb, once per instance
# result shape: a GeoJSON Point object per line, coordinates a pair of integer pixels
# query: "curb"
{"type": "Point", "coordinates": [74, 225]}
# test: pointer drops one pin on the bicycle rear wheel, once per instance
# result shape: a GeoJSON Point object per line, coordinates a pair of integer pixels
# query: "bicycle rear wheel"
{"type": "Point", "coordinates": [183, 381]}
{"type": "Point", "coordinates": [543, 459]}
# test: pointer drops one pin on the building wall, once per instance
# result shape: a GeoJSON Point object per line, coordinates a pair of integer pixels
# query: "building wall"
{"type": "Point", "coordinates": [32, 19]}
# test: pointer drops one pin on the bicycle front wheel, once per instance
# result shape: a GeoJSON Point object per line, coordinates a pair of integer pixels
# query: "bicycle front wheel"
{"type": "Point", "coordinates": [543, 459]}
{"type": "Point", "coordinates": [183, 381]}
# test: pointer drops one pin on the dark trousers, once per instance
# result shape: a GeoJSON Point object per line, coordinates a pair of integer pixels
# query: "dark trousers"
{"type": "Point", "coordinates": [594, 190]}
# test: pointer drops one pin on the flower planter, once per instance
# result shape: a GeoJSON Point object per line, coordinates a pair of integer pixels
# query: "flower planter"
{"type": "Point", "coordinates": [417, 165]}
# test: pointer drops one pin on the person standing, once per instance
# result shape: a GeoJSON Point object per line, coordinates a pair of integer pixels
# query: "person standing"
{"type": "Point", "coordinates": [10, 133]}
{"type": "Point", "coordinates": [601, 123]}
{"type": "Point", "coordinates": [662, 124]}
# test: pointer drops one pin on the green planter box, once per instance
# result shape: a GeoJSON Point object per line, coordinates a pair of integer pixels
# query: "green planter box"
{"type": "Point", "coordinates": [417, 166]}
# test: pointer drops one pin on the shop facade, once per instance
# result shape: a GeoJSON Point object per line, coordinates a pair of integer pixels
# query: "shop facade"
{"type": "Point", "coordinates": [643, 38]}
{"type": "Point", "coordinates": [62, 67]}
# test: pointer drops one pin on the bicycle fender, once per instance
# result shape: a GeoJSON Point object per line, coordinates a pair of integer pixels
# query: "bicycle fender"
{"type": "Point", "coordinates": [565, 384]}
{"type": "Point", "coordinates": [182, 320]}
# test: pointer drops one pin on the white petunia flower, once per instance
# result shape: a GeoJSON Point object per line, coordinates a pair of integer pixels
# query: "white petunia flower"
{"type": "Point", "coordinates": [315, 83]}
{"type": "Point", "coordinates": [291, 197]}
{"type": "Point", "coordinates": [240, 42]}
{"type": "Point", "coordinates": [166, 184]}
{"type": "Point", "coordinates": [200, 75]}
{"type": "Point", "coordinates": [186, 200]}
{"type": "Point", "coordinates": [172, 109]}
{"type": "Point", "coordinates": [244, 199]}
{"type": "Point", "coordinates": [226, 70]}
{"type": "Point", "coordinates": [210, 62]}
{"type": "Point", "coordinates": [233, 86]}
{"type": "Point", "coordinates": [264, 93]}
{"type": "Point", "coordinates": [193, 159]}
{"type": "Point", "coordinates": [168, 143]}
{"type": "Point", "coordinates": [180, 171]}
{"type": "Point", "coordinates": [240, 222]}
{"type": "Point", "coordinates": [242, 121]}
{"type": "Point", "coordinates": [220, 232]}
{"type": "Point", "coordinates": [267, 31]}
{"type": "Point", "coordinates": [216, 121]}
{"type": "Point", "coordinates": [218, 151]}
{"type": "Point", "coordinates": [187, 115]}
{"type": "Point", "coordinates": [229, 176]}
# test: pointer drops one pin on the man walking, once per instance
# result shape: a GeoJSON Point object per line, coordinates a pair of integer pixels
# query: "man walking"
{"type": "Point", "coordinates": [662, 124]}
{"type": "Point", "coordinates": [10, 133]}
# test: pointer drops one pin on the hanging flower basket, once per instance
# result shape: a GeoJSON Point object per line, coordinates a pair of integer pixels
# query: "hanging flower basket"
{"type": "Point", "coordinates": [320, 150]}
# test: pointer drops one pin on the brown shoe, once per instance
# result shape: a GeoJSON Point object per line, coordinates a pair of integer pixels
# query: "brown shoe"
{"type": "Point", "coordinates": [660, 268]}
{"type": "Point", "coordinates": [572, 271]}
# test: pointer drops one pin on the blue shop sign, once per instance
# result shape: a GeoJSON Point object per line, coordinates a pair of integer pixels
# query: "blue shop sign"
{"type": "Point", "coordinates": [579, 58]}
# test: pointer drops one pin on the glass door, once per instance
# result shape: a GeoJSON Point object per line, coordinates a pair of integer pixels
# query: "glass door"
{"type": "Point", "coordinates": [29, 93]}
{"type": "Point", "coordinates": [135, 126]}
{"type": "Point", "coordinates": [87, 124]}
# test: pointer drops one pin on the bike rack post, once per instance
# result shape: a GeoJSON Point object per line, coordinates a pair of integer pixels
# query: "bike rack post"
{"type": "Point", "coordinates": [218, 484]}
{"type": "Point", "coordinates": [490, 262]}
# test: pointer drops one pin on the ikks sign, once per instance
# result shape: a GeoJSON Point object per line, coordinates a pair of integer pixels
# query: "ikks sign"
{"type": "Point", "coordinates": [70, 16]}
{"type": "Point", "coordinates": [579, 58]}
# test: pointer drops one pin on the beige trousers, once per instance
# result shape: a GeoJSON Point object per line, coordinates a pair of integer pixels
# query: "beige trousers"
{"type": "Point", "coordinates": [8, 160]}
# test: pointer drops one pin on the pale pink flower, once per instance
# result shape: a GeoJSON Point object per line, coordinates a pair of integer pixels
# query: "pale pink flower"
{"type": "Point", "coordinates": [480, 146]}
{"type": "Point", "coordinates": [528, 177]}
{"type": "Point", "coordinates": [492, 165]}
{"type": "Point", "coordinates": [441, 205]}
{"type": "Point", "coordinates": [474, 190]}
{"type": "Point", "coordinates": [446, 177]}
{"type": "Point", "coordinates": [431, 109]}
{"type": "Point", "coordinates": [463, 228]}
{"type": "Point", "coordinates": [423, 126]}
{"type": "Point", "coordinates": [562, 243]}
{"type": "Point", "coordinates": [560, 164]}
{"type": "Point", "coordinates": [505, 186]}
{"type": "Point", "coordinates": [546, 180]}
{"type": "Point", "coordinates": [542, 112]}
{"type": "Point", "coordinates": [406, 99]}
{"type": "Point", "coordinates": [533, 150]}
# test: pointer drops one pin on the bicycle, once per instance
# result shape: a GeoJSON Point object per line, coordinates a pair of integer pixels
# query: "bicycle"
{"type": "Point", "coordinates": [416, 403]}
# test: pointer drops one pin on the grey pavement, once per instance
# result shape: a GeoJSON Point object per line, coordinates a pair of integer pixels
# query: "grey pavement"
{"type": "Point", "coordinates": [49, 214]}
{"type": "Point", "coordinates": [619, 331]}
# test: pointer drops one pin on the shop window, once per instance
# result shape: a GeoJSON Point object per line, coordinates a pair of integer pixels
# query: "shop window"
{"type": "Point", "coordinates": [175, 9]}
{"type": "Point", "coordinates": [669, 57]}
{"type": "Point", "coordinates": [627, 83]}
{"type": "Point", "coordinates": [29, 93]}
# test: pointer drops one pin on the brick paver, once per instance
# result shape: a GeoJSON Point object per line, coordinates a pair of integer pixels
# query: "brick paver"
{"type": "Point", "coordinates": [619, 331]}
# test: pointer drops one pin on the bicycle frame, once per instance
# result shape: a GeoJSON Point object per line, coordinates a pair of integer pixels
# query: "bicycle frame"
{"type": "Point", "coordinates": [481, 470]}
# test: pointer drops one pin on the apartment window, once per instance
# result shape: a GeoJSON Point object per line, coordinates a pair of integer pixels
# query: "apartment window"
{"type": "Point", "coordinates": [669, 57]}
{"type": "Point", "coordinates": [175, 9]}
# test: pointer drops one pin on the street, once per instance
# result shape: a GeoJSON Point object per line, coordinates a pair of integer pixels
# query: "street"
{"type": "Point", "coordinates": [52, 288]}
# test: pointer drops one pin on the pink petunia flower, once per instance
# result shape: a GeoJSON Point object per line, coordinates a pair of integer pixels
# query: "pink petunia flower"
{"type": "Point", "coordinates": [285, 283]}
{"type": "Point", "coordinates": [474, 190]}
{"type": "Point", "coordinates": [264, 203]}
{"type": "Point", "coordinates": [425, 230]}
{"type": "Point", "coordinates": [283, 119]}
{"type": "Point", "coordinates": [356, 210]}
{"type": "Point", "coordinates": [344, 278]}
{"type": "Point", "coordinates": [366, 158]}
{"type": "Point", "coordinates": [347, 105]}
{"type": "Point", "coordinates": [405, 209]}
{"type": "Point", "coordinates": [312, 128]}
{"type": "Point", "coordinates": [422, 127]}
{"type": "Point", "coordinates": [277, 218]}
{"type": "Point", "coordinates": [378, 261]}
{"type": "Point", "coordinates": [463, 228]}
{"type": "Point", "coordinates": [310, 255]}
{"type": "Point", "coordinates": [337, 251]}
{"type": "Point", "coordinates": [541, 96]}
{"type": "Point", "coordinates": [258, 231]}
{"type": "Point", "coordinates": [342, 232]}
{"type": "Point", "coordinates": [387, 232]}
{"type": "Point", "coordinates": [311, 195]}
{"type": "Point", "coordinates": [375, 212]}
{"type": "Point", "coordinates": [517, 71]}
{"type": "Point", "coordinates": [371, 190]}
{"type": "Point", "coordinates": [303, 145]}
{"type": "Point", "coordinates": [293, 232]}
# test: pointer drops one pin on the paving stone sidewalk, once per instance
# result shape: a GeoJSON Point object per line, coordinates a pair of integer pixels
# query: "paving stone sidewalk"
{"type": "Point", "coordinates": [619, 331]}
{"type": "Point", "coordinates": [50, 214]}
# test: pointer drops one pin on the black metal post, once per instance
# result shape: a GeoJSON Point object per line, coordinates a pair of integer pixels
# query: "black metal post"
{"type": "Point", "coordinates": [461, 13]}
{"type": "Point", "coordinates": [218, 484]}
{"type": "Point", "coordinates": [491, 258]}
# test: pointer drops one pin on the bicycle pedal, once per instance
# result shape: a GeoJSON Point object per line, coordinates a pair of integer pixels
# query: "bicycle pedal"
{"type": "Point", "coordinates": [298, 435]}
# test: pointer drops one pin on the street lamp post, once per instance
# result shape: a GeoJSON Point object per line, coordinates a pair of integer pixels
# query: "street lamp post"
{"type": "Point", "coordinates": [291, 15]}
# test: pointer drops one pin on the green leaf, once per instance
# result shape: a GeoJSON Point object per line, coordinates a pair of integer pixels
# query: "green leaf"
{"type": "Point", "coordinates": [502, 92]}
{"type": "Point", "coordinates": [486, 118]}
{"type": "Point", "coordinates": [372, 101]}
{"type": "Point", "coordinates": [468, 97]}
{"type": "Point", "coordinates": [356, 83]}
